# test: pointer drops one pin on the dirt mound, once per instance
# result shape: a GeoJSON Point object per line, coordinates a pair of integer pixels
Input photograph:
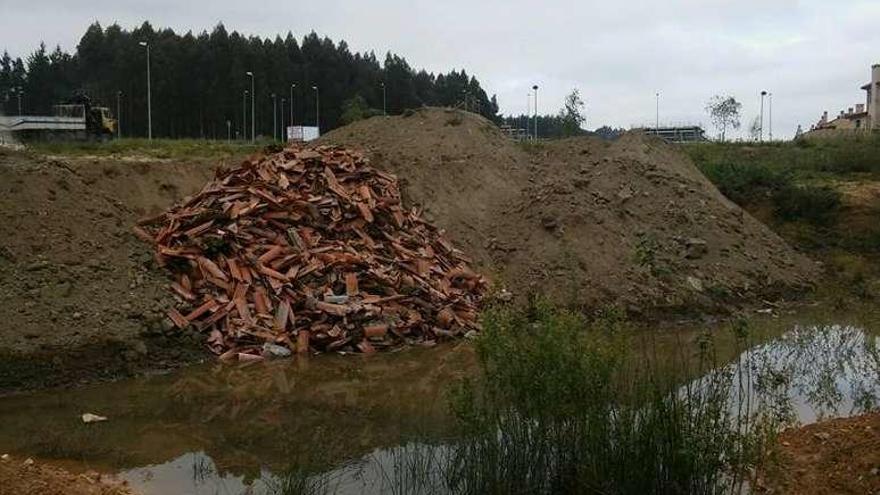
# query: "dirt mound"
{"type": "Point", "coordinates": [147, 186]}
{"type": "Point", "coordinates": [587, 222]}
{"type": "Point", "coordinates": [72, 276]}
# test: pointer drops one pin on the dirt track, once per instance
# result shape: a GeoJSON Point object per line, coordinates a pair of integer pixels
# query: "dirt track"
{"type": "Point", "coordinates": [630, 224]}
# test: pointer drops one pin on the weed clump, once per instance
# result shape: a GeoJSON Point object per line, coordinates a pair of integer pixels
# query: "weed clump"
{"type": "Point", "coordinates": [743, 182]}
{"type": "Point", "coordinates": [815, 204]}
{"type": "Point", "coordinates": [565, 406]}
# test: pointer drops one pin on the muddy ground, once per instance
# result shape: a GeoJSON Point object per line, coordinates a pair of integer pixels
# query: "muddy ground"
{"type": "Point", "coordinates": [840, 456]}
{"type": "Point", "coordinates": [630, 224]}
{"type": "Point", "coordinates": [28, 477]}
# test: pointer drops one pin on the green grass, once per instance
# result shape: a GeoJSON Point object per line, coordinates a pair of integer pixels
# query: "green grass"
{"type": "Point", "coordinates": [742, 182]}
{"type": "Point", "coordinates": [815, 204]}
{"type": "Point", "coordinates": [803, 158]}
{"type": "Point", "coordinates": [157, 148]}
{"type": "Point", "coordinates": [788, 175]}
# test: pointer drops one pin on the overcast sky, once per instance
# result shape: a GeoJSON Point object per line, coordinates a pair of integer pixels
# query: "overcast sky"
{"type": "Point", "coordinates": [811, 54]}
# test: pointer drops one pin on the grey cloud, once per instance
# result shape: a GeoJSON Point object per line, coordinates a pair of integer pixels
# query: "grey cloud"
{"type": "Point", "coordinates": [813, 55]}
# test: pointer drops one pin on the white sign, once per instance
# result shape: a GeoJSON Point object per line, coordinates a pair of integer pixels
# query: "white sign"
{"type": "Point", "coordinates": [298, 133]}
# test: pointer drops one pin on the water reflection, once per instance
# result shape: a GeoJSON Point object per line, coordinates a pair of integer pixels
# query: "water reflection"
{"type": "Point", "coordinates": [347, 425]}
{"type": "Point", "coordinates": [813, 373]}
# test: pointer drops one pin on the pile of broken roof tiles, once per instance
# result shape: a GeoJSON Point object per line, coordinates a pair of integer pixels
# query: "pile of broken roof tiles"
{"type": "Point", "coordinates": [310, 250]}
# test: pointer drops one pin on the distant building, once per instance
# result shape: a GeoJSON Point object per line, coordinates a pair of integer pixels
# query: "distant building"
{"type": "Point", "coordinates": [677, 134]}
{"type": "Point", "coordinates": [863, 117]}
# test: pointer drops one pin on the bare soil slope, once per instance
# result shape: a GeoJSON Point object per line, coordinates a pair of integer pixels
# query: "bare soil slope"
{"type": "Point", "coordinates": [839, 456]}
{"type": "Point", "coordinates": [76, 285]}
{"type": "Point", "coordinates": [147, 186]}
{"type": "Point", "coordinates": [631, 223]}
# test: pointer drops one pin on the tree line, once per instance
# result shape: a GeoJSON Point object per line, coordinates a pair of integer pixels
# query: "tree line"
{"type": "Point", "coordinates": [198, 82]}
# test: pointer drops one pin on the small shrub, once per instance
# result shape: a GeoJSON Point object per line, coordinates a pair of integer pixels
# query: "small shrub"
{"type": "Point", "coordinates": [815, 204]}
{"type": "Point", "coordinates": [745, 182]}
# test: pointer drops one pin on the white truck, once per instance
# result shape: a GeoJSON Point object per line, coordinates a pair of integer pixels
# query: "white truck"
{"type": "Point", "coordinates": [73, 121]}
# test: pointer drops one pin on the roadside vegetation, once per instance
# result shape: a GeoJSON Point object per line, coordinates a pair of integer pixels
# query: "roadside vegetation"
{"type": "Point", "coordinates": [816, 193]}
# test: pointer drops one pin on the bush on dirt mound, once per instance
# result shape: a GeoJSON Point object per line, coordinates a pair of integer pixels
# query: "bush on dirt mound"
{"type": "Point", "coordinates": [311, 249]}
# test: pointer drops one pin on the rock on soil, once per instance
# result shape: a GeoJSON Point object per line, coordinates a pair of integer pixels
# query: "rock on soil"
{"type": "Point", "coordinates": [587, 222]}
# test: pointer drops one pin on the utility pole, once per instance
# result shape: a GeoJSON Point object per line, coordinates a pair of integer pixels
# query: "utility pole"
{"type": "Point", "coordinates": [20, 92]}
{"type": "Point", "coordinates": [253, 97]}
{"type": "Point", "coordinates": [384, 106]}
{"type": "Point", "coordinates": [317, 109]}
{"type": "Point", "coordinates": [283, 129]}
{"type": "Point", "coordinates": [526, 115]}
{"type": "Point", "coordinates": [149, 95]}
{"type": "Point", "coordinates": [118, 114]}
{"type": "Point", "coordinates": [535, 87]}
{"type": "Point", "coordinates": [770, 116]}
{"type": "Point", "coordinates": [274, 118]}
{"type": "Point", "coordinates": [244, 114]}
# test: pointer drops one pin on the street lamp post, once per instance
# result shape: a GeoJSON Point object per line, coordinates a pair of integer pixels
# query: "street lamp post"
{"type": "Point", "coordinates": [244, 114]}
{"type": "Point", "coordinates": [317, 109]}
{"type": "Point", "coordinates": [149, 95]}
{"type": "Point", "coordinates": [384, 106]}
{"type": "Point", "coordinates": [118, 114]}
{"type": "Point", "coordinates": [763, 94]}
{"type": "Point", "coordinates": [283, 129]}
{"type": "Point", "coordinates": [535, 87]}
{"type": "Point", "coordinates": [274, 118]}
{"type": "Point", "coordinates": [770, 116]}
{"type": "Point", "coordinates": [292, 87]}
{"type": "Point", "coordinates": [253, 97]}
{"type": "Point", "coordinates": [657, 118]}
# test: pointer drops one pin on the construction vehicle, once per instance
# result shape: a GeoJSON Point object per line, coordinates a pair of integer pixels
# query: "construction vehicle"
{"type": "Point", "coordinates": [76, 119]}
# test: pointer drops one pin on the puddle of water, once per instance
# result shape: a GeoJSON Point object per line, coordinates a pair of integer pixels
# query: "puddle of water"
{"type": "Point", "coordinates": [217, 429]}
